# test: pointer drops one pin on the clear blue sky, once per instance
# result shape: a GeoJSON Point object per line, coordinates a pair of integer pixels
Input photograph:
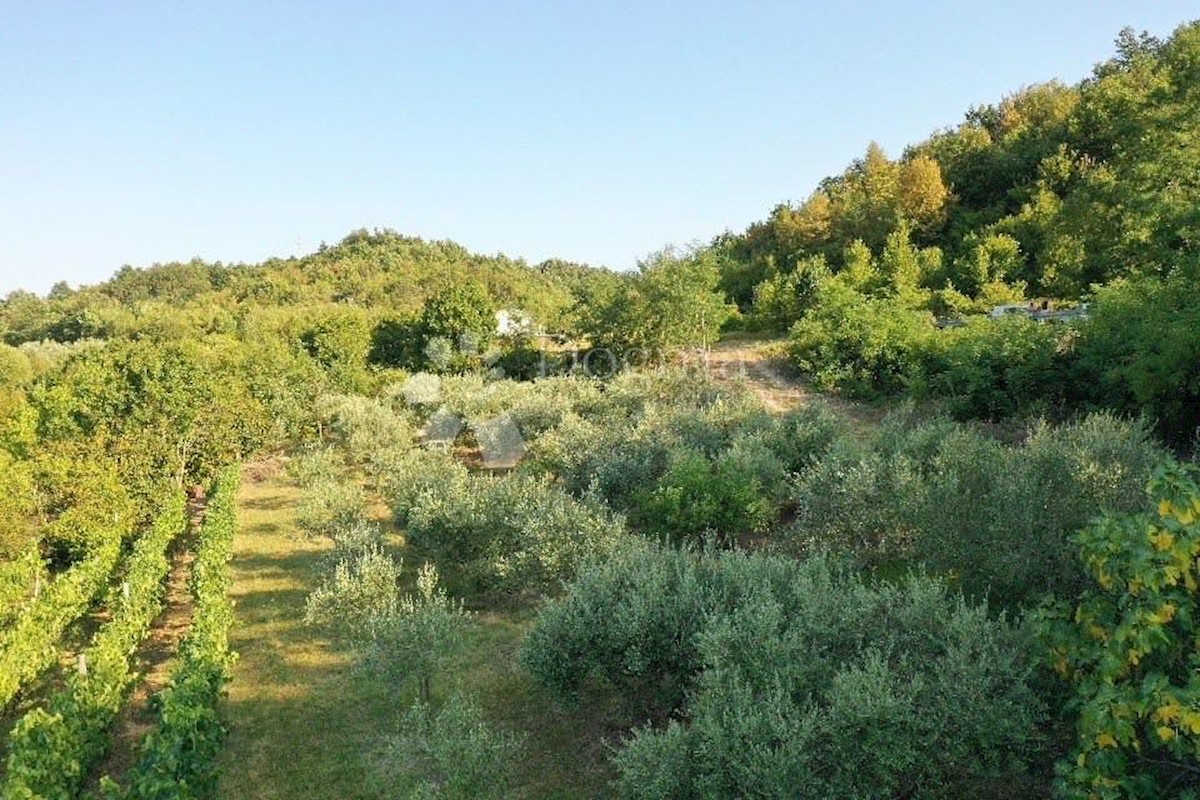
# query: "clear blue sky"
{"type": "Point", "coordinates": [594, 131]}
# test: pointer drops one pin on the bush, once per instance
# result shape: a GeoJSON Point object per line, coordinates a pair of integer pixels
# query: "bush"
{"type": "Point", "coordinates": [30, 644]}
{"type": "Point", "coordinates": [863, 346]}
{"type": "Point", "coordinates": [995, 518]}
{"type": "Point", "coordinates": [450, 753]}
{"type": "Point", "coordinates": [17, 505]}
{"type": "Point", "coordinates": [802, 436]}
{"type": "Point", "coordinates": [736, 493]}
{"type": "Point", "coordinates": [820, 686]}
{"type": "Point", "coordinates": [795, 679]}
{"type": "Point", "coordinates": [994, 369]}
{"type": "Point", "coordinates": [629, 622]}
{"type": "Point", "coordinates": [178, 759]}
{"type": "Point", "coordinates": [405, 476]}
{"type": "Point", "coordinates": [1139, 351]}
{"type": "Point", "coordinates": [52, 747]}
{"type": "Point", "coordinates": [855, 501]}
{"type": "Point", "coordinates": [18, 578]}
{"type": "Point", "coordinates": [1000, 518]}
{"type": "Point", "coordinates": [361, 425]}
{"type": "Point", "coordinates": [329, 506]}
{"type": "Point", "coordinates": [315, 466]}
{"type": "Point", "coordinates": [516, 532]}
{"type": "Point", "coordinates": [1127, 650]}
{"type": "Point", "coordinates": [408, 638]}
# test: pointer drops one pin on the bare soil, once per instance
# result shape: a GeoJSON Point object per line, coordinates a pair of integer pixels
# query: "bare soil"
{"type": "Point", "coordinates": [155, 657]}
{"type": "Point", "coordinates": [761, 366]}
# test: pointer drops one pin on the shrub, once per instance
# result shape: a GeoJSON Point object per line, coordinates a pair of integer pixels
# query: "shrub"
{"type": "Point", "coordinates": [628, 621]}
{"type": "Point", "coordinates": [315, 466]}
{"type": "Point", "coordinates": [17, 506]}
{"type": "Point", "coordinates": [1127, 650]}
{"type": "Point", "coordinates": [329, 506]}
{"type": "Point", "coordinates": [796, 679]}
{"type": "Point", "coordinates": [30, 644]}
{"type": "Point", "coordinates": [450, 753]}
{"type": "Point", "coordinates": [1000, 518]}
{"type": "Point", "coordinates": [736, 493]}
{"type": "Point", "coordinates": [52, 747]}
{"type": "Point", "coordinates": [362, 425]}
{"type": "Point", "coordinates": [802, 436]}
{"type": "Point", "coordinates": [1139, 351]}
{"type": "Point", "coordinates": [854, 500]}
{"type": "Point", "coordinates": [178, 759]}
{"type": "Point", "coordinates": [820, 686]}
{"type": "Point", "coordinates": [18, 579]}
{"type": "Point", "coordinates": [517, 532]}
{"type": "Point", "coordinates": [407, 638]}
{"type": "Point", "coordinates": [993, 369]}
{"type": "Point", "coordinates": [866, 347]}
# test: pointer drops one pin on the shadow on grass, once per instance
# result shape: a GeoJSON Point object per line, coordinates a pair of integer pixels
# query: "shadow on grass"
{"type": "Point", "coordinates": [306, 723]}
{"type": "Point", "coordinates": [268, 503]}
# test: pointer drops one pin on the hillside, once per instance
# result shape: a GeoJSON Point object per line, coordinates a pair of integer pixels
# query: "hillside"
{"type": "Point", "coordinates": [745, 522]}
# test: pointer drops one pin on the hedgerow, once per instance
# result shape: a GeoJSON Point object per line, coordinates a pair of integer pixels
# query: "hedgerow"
{"type": "Point", "coordinates": [30, 645]}
{"type": "Point", "coordinates": [52, 748]}
{"type": "Point", "coordinates": [178, 757]}
{"type": "Point", "coordinates": [18, 579]}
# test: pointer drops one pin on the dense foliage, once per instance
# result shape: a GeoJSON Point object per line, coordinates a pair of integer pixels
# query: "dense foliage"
{"type": "Point", "coordinates": [1128, 649]}
{"type": "Point", "coordinates": [177, 757]}
{"type": "Point", "coordinates": [1083, 192]}
{"type": "Point", "coordinates": [997, 517]}
{"type": "Point", "coordinates": [52, 748]}
{"type": "Point", "coordinates": [30, 644]}
{"type": "Point", "coordinates": [800, 680]}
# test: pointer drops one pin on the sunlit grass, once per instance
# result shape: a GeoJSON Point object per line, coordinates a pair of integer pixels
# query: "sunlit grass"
{"type": "Point", "coordinates": [305, 723]}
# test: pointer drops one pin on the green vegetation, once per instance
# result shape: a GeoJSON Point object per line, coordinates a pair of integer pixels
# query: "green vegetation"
{"type": "Point", "coordinates": [1055, 192]}
{"type": "Point", "coordinates": [30, 644]}
{"type": "Point", "coordinates": [562, 558]}
{"type": "Point", "coordinates": [1127, 650]}
{"type": "Point", "coordinates": [52, 748]}
{"type": "Point", "coordinates": [179, 756]}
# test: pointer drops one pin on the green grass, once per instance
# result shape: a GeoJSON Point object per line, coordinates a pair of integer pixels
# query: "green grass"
{"type": "Point", "coordinates": [304, 723]}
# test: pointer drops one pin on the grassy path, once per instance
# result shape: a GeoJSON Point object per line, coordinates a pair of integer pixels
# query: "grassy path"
{"type": "Point", "coordinates": [305, 724]}
{"type": "Point", "coordinates": [300, 720]}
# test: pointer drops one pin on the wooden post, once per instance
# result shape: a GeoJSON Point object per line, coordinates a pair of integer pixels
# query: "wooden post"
{"type": "Point", "coordinates": [83, 664]}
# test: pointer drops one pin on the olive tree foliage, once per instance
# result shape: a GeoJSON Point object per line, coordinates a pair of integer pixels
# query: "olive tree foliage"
{"type": "Point", "coordinates": [516, 532]}
{"type": "Point", "coordinates": [362, 426]}
{"type": "Point", "coordinates": [409, 638]}
{"type": "Point", "coordinates": [793, 679]}
{"type": "Point", "coordinates": [443, 747]}
{"type": "Point", "coordinates": [448, 753]}
{"type": "Point", "coordinates": [997, 517]}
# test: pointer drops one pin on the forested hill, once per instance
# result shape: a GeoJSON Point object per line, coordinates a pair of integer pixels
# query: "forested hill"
{"type": "Point", "coordinates": [1056, 196]}
{"type": "Point", "coordinates": [1051, 191]}
{"type": "Point", "coordinates": [381, 270]}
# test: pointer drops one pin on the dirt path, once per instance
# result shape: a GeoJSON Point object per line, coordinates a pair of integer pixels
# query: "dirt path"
{"type": "Point", "coordinates": [155, 656]}
{"type": "Point", "coordinates": [761, 367]}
